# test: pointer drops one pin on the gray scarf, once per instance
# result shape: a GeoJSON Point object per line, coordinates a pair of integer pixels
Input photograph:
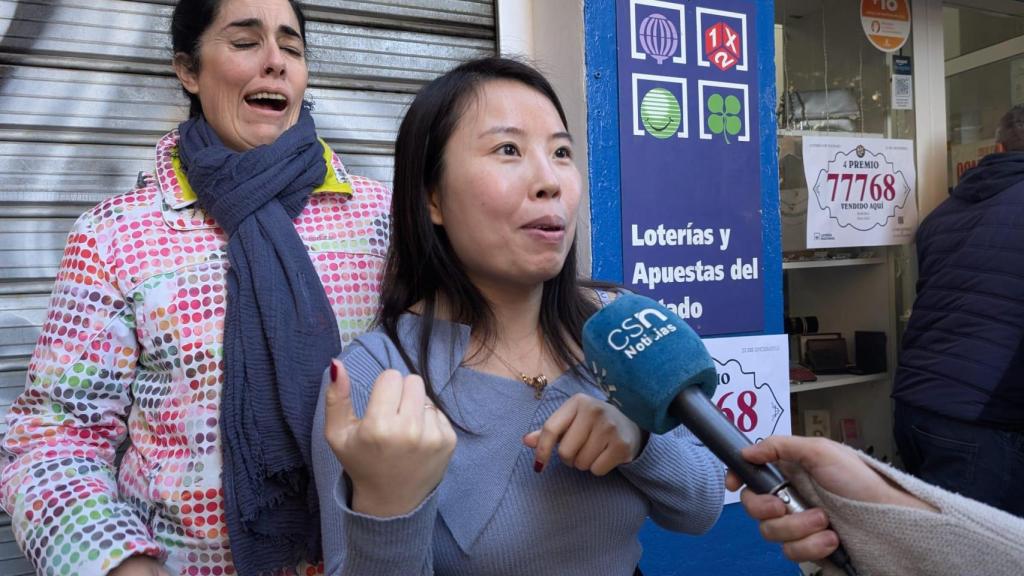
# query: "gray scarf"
{"type": "Point", "coordinates": [280, 333]}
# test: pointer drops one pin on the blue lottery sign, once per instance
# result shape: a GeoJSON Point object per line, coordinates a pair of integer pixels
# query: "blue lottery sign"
{"type": "Point", "coordinates": [690, 160]}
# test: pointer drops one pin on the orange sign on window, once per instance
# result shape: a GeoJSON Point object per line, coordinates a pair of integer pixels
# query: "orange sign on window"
{"type": "Point", "coordinates": [886, 23]}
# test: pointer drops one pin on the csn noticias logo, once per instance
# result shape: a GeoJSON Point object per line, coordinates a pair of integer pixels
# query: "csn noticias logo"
{"type": "Point", "coordinates": [638, 332]}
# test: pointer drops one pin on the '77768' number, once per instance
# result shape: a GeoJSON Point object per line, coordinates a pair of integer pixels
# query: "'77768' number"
{"type": "Point", "coordinates": [886, 190]}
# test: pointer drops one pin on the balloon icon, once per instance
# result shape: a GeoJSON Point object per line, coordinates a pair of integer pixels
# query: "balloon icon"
{"type": "Point", "coordinates": [658, 37]}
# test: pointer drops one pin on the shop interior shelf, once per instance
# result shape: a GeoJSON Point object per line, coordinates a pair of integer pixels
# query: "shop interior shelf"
{"type": "Point", "coordinates": [828, 133]}
{"type": "Point", "coordinates": [835, 380]}
{"type": "Point", "coordinates": [798, 264]}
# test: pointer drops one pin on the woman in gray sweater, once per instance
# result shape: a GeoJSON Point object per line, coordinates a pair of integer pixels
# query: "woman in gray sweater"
{"type": "Point", "coordinates": [462, 436]}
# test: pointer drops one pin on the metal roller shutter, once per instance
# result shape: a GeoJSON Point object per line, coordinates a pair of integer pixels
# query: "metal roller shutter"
{"type": "Point", "coordinates": [86, 90]}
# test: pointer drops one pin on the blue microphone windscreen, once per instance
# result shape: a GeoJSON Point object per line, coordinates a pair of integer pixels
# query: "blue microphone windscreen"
{"type": "Point", "coordinates": [643, 355]}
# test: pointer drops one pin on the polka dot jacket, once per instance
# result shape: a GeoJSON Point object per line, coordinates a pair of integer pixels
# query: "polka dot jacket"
{"type": "Point", "coordinates": [133, 346]}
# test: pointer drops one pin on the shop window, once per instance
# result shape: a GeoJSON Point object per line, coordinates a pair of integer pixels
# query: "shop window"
{"type": "Point", "coordinates": [967, 30]}
{"type": "Point", "coordinates": [984, 53]}
{"type": "Point", "coordinates": [830, 81]}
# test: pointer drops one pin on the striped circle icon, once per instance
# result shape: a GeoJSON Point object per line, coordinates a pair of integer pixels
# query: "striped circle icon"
{"type": "Point", "coordinates": [659, 111]}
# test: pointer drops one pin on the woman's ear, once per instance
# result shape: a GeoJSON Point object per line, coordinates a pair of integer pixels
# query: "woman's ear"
{"type": "Point", "coordinates": [184, 67]}
{"type": "Point", "coordinates": [435, 208]}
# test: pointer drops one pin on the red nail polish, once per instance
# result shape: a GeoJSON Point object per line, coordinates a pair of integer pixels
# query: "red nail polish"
{"type": "Point", "coordinates": [334, 371]}
{"type": "Point", "coordinates": [538, 466]}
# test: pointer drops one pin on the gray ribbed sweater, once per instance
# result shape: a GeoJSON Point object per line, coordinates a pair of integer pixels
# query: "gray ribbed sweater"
{"type": "Point", "coordinates": [492, 514]}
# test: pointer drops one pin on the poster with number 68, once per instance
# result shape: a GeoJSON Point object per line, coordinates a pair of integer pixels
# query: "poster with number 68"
{"type": "Point", "coordinates": [753, 386]}
{"type": "Point", "coordinates": [860, 191]}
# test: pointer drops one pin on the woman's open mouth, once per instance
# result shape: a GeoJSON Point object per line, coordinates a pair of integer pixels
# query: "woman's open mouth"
{"type": "Point", "coordinates": [547, 229]}
{"type": "Point", "coordinates": [267, 101]}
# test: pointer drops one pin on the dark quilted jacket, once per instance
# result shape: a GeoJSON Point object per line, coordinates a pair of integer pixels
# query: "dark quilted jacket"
{"type": "Point", "coordinates": [963, 351]}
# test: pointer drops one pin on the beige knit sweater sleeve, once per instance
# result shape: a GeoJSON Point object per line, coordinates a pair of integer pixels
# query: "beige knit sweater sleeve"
{"type": "Point", "coordinates": [964, 538]}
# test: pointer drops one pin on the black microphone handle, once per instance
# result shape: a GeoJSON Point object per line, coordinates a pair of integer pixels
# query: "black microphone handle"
{"type": "Point", "coordinates": [720, 435]}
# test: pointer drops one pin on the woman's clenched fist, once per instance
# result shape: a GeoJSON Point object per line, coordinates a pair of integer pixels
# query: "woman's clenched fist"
{"type": "Point", "coordinates": [397, 453]}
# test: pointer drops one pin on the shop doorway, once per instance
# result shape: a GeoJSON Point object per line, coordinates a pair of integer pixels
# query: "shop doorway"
{"type": "Point", "coordinates": [970, 72]}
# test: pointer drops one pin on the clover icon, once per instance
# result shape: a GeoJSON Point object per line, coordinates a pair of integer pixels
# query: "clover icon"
{"type": "Point", "coordinates": [724, 117]}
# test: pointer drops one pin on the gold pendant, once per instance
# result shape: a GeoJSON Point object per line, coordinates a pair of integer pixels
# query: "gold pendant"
{"type": "Point", "coordinates": [538, 383]}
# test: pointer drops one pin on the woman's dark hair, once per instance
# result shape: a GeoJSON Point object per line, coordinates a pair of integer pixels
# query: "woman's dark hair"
{"type": "Point", "coordinates": [421, 264]}
{"type": "Point", "coordinates": [190, 19]}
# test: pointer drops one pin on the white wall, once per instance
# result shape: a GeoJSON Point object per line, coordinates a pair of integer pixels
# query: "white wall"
{"type": "Point", "coordinates": [549, 34]}
{"type": "Point", "coordinates": [930, 105]}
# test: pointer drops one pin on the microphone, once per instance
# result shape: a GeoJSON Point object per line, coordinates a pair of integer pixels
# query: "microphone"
{"type": "Point", "coordinates": [655, 369]}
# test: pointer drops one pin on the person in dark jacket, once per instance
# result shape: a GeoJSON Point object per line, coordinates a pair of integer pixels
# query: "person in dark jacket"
{"type": "Point", "coordinates": [959, 389]}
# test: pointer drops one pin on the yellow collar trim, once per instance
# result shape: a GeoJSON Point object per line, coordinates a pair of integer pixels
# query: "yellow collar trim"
{"type": "Point", "coordinates": [334, 182]}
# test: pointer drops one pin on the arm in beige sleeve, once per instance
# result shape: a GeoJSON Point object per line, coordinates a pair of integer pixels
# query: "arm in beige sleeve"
{"type": "Point", "coordinates": [963, 537]}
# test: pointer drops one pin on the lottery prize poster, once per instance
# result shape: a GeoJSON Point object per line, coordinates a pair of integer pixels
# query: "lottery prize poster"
{"type": "Point", "coordinates": [753, 386]}
{"type": "Point", "coordinates": [860, 191]}
{"type": "Point", "coordinates": [690, 160]}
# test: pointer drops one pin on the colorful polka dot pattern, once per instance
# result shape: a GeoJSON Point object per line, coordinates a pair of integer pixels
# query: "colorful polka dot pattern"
{"type": "Point", "coordinates": [132, 345]}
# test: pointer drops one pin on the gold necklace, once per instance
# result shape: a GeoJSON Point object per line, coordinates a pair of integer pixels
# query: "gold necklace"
{"type": "Point", "coordinates": [538, 383]}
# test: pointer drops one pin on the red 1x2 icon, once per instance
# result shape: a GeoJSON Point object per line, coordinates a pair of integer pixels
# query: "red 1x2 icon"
{"type": "Point", "coordinates": [722, 46]}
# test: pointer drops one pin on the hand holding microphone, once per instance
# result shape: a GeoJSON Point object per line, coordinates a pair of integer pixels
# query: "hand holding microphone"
{"type": "Point", "coordinates": [655, 368]}
{"type": "Point", "coordinates": [806, 536]}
